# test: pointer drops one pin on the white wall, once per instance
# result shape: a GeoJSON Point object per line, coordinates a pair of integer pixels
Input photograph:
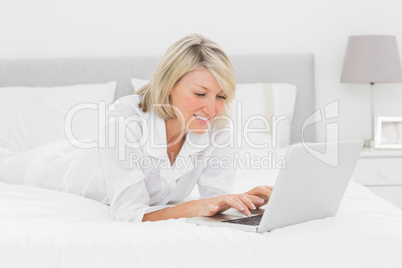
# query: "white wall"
{"type": "Point", "coordinates": [51, 28]}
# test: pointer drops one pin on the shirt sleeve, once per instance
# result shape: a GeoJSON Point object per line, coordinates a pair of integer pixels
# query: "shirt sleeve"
{"type": "Point", "coordinates": [128, 196]}
{"type": "Point", "coordinates": [219, 175]}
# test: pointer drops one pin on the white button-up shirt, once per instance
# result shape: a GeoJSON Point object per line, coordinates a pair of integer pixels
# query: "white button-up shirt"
{"type": "Point", "coordinates": [138, 175]}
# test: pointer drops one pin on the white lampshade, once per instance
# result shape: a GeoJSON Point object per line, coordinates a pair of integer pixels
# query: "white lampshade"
{"type": "Point", "coordinates": [372, 59]}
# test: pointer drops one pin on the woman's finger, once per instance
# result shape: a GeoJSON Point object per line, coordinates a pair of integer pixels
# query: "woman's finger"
{"type": "Point", "coordinates": [234, 202]}
{"type": "Point", "coordinates": [268, 187]}
{"type": "Point", "coordinates": [243, 207]}
{"type": "Point", "coordinates": [216, 206]}
{"type": "Point", "coordinates": [246, 199]}
{"type": "Point", "coordinates": [257, 201]}
{"type": "Point", "coordinates": [213, 208]}
{"type": "Point", "coordinates": [261, 191]}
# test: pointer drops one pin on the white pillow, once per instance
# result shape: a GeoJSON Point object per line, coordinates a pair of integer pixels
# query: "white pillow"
{"type": "Point", "coordinates": [33, 116]}
{"type": "Point", "coordinates": [266, 113]}
{"type": "Point", "coordinates": [138, 83]}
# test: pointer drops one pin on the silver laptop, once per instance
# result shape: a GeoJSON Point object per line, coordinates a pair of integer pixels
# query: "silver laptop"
{"type": "Point", "coordinates": [310, 187]}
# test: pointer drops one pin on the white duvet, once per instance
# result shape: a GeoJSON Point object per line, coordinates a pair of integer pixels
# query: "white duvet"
{"type": "Point", "coordinates": [44, 228]}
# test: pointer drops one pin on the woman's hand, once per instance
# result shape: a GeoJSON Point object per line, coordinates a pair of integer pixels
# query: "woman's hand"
{"type": "Point", "coordinates": [242, 202]}
{"type": "Point", "coordinates": [263, 192]}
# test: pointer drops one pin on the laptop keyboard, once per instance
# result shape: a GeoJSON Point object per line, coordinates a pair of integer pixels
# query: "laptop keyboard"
{"type": "Point", "coordinates": [253, 220]}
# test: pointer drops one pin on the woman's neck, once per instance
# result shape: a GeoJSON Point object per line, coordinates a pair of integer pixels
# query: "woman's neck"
{"type": "Point", "coordinates": [175, 138]}
{"type": "Point", "coordinates": [174, 131]}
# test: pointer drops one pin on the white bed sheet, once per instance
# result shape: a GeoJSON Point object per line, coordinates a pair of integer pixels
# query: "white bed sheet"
{"type": "Point", "coordinates": [44, 228]}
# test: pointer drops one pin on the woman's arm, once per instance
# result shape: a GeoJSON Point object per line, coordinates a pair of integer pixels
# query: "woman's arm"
{"type": "Point", "coordinates": [211, 206]}
{"type": "Point", "coordinates": [183, 210]}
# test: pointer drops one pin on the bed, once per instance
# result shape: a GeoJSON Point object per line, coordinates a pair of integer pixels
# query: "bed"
{"type": "Point", "coordinates": [45, 228]}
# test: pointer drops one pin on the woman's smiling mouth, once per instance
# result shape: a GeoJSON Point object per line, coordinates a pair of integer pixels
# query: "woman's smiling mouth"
{"type": "Point", "coordinates": [202, 119]}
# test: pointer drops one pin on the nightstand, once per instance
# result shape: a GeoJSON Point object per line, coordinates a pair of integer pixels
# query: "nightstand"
{"type": "Point", "coordinates": [381, 172]}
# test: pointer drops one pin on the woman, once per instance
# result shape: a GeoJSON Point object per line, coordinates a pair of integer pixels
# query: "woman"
{"type": "Point", "coordinates": [159, 144]}
{"type": "Point", "coordinates": [192, 86]}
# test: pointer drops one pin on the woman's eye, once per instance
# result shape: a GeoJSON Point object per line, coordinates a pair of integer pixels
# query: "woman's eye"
{"type": "Point", "coordinates": [203, 95]}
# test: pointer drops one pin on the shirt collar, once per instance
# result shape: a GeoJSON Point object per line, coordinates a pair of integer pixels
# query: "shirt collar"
{"type": "Point", "coordinates": [195, 143]}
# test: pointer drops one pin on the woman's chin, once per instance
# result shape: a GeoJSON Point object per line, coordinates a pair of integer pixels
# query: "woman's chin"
{"type": "Point", "coordinates": [199, 130]}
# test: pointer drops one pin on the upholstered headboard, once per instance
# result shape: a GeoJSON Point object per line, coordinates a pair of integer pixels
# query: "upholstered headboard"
{"type": "Point", "coordinates": [296, 69]}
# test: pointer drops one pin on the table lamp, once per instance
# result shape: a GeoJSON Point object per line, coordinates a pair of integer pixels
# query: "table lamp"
{"type": "Point", "coordinates": [371, 59]}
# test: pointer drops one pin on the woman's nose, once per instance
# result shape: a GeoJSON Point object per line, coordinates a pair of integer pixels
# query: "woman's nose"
{"type": "Point", "coordinates": [209, 108]}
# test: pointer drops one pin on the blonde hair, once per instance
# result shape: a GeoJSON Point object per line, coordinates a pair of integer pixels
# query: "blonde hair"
{"type": "Point", "coordinates": [189, 53]}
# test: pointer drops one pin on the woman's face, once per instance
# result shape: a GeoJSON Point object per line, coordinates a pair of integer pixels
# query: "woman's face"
{"type": "Point", "coordinates": [199, 98]}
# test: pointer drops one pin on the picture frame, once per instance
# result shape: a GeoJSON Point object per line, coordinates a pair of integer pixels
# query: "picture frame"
{"type": "Point", "coordinates": [388, 134]}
